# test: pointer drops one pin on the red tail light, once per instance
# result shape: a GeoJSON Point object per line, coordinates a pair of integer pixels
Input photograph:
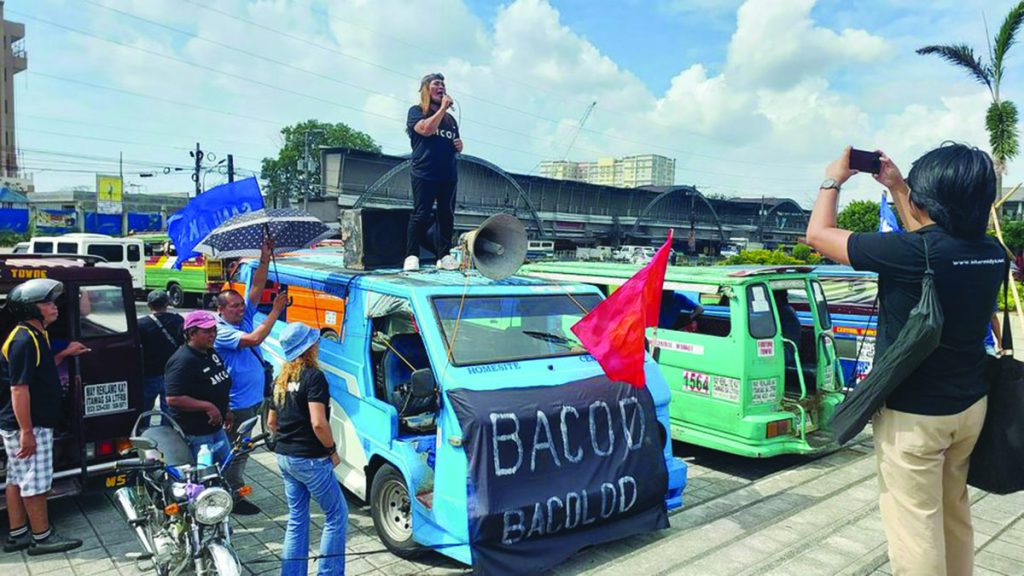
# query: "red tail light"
{"type": "Point", "coordinates": [777, 428]}
{"type": "Point", "coordinates": [104, 447]}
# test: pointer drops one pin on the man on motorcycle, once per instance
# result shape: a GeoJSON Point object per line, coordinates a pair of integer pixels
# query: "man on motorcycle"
{"type": "Point", "coordinates": [198, 387]}
{"type": "Point", "coordinates": [30, 395]}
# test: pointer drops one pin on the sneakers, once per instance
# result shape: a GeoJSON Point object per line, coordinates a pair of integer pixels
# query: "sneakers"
{"type": "Point", "coordinates": [245, 508]}
{"type": "Point", "coordinates": [52, 544]}
{"type": "Point", "coordinates": [448, 263]}
{"type": "Point", "coordinates": [17, 543]}
{"type": "Point", "coordinates": [411, 264]}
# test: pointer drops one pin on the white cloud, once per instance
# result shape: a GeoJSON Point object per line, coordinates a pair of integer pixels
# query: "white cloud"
{"type": "Point", "coordinates": [776, 45]}
{"type": "Point", "coordinates": [766, 120]}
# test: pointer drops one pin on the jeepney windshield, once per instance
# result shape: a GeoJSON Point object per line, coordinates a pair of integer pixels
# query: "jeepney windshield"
{"type": "Point", "coordinates": [493, 329]}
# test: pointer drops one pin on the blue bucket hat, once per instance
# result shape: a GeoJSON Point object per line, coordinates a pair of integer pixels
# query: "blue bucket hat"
{"type": "Point", "coordinates": [296, 338]}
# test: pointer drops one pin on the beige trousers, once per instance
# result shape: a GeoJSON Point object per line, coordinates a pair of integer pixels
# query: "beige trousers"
{"type": "Point", "coordinates": [922, 480]}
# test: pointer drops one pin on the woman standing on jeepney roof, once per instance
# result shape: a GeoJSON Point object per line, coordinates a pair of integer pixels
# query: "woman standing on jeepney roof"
{"type": "Point", "coordinates": [306, 454]}
{"type": "Point", "coordinates": [925, 433]}
{"type": "Point", "coordinates": [435, 140]}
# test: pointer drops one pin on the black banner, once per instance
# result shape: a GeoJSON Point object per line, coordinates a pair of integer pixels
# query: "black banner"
{"type": "Point", "coordinates": [553, 469]}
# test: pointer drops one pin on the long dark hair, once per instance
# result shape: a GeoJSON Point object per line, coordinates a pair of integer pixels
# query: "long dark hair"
{"type": "Point", "coordinates": [956, 185]}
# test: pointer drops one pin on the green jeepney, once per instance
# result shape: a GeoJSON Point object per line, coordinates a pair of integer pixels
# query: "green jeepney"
{"type": "Point", "coordinates": [734, 386]}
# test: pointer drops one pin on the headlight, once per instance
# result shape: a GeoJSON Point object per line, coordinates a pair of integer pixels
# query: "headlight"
{"type": "Point", "coordinates": [212, 505]}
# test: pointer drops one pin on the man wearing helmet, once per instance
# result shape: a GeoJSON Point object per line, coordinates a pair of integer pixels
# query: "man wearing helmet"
{"type": "Point", "coordinates": [30, 394]}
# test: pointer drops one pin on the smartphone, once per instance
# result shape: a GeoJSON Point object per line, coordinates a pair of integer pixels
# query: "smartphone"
{"type": "Point", "coordinates": [864, 161]}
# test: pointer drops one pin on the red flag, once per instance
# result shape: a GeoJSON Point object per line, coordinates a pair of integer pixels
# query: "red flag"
{"type": "Point", "coordinates": [613, 332]}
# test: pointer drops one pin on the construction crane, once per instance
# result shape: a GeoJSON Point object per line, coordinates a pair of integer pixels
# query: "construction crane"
{"type": "Point", "coordinates": [579, 128]}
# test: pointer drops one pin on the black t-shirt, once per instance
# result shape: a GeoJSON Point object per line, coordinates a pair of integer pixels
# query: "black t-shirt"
{"type": "Point", "coordinates": [28, 360]}
{"type": "Point", "coordinates": [157, 348]}
{"type": "Point", "coordinates": [433, 157]}
{"type": "Point", "coordinates": [295, 435]}
{"type": "Point", "coordinates": [968, 274]}
{"type": "Point", "coordinates": [201, 376]}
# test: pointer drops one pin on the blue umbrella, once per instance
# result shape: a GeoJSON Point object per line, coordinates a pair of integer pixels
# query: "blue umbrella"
{"type": "Point", "coordinates": [243, 235]}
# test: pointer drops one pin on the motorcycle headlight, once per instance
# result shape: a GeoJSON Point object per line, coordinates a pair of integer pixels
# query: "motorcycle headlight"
{"type": "Point", "coordinates": [212, 505]}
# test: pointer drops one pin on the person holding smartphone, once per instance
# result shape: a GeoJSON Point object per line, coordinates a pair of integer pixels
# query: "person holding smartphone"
{"type": "Point", "coordinates": [927, 429]}
{"type": "Point", "coordinates": [435, 140]}
{"type": "Point", "coordinates": [300, 418]}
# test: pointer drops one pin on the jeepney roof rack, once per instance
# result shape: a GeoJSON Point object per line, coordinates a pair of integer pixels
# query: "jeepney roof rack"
{"type": "Point", "coordinates": [771, 270]}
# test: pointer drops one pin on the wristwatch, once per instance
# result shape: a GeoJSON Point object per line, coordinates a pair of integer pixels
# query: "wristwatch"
{"type": "Point", "coordinates": [333, 449]}
{"type": "Point", "coordinates": [830, 184]}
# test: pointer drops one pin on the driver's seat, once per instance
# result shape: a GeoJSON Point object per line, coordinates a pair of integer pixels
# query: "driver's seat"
{"type": "Point", "coordinates": [414, 414]}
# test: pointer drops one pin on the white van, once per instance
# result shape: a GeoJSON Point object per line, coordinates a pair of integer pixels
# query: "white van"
{"type": "Point", "coordinates": [118, 252]}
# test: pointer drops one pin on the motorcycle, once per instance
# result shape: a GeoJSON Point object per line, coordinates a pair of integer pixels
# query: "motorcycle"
{"type": "Point", "coordinates": [180, 511]}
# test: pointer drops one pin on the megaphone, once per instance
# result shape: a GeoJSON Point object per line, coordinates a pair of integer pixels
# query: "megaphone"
{"type": "Point", "coordinates": [498, 246]}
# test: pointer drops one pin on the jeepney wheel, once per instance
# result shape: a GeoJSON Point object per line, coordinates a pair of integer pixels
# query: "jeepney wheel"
{"type": "Point", "coordinates": [391, 509]}
{"type": "Point", "coordinates": [176, 295]}
{"type": "Point", "coordinates": [328, 334]}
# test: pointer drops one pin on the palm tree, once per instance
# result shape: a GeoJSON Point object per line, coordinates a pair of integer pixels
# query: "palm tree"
{"type": "Point", "coordinates": [1001, 119]}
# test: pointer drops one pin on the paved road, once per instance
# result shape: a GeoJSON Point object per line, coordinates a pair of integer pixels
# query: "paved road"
{"type": "Point", "coordinates": [743, 517]}
{"type": "Point", "coordinates": [789, 515]}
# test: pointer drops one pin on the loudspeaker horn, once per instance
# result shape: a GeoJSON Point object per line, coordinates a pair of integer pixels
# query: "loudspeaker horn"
{"type": "Point", "coordinates": [498, 246]}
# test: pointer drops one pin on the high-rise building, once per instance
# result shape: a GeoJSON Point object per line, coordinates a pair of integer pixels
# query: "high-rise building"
{"type": "Point", "coordinates": [12, 61]}
{"type": "Point", "coordinates": [627, 172]}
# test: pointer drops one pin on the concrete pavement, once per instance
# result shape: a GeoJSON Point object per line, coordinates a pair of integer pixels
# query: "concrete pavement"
{"type": "Point", "coordinates": [743, 517]}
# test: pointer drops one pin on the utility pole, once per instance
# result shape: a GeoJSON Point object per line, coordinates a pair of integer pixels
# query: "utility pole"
{"type": "Point", "coordinates": [231, 168]}
{"type": "Point", "coordinates": [120, 175]}
{"type": "Point", "coordinates": [198, 155]}
{"type": "Point", "coordinates": [306, 165]}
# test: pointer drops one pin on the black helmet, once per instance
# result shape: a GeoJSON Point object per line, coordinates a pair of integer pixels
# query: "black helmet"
{"type": "Point", "coordinates": [22, 299]}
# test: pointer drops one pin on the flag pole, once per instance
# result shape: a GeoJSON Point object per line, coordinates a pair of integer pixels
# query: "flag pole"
{"type": "Point", "coordinates": [1013, 285]}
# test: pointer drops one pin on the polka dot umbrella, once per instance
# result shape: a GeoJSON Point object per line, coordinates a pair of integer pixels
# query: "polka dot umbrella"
{"type": "Point", "coordinates": [243, 235]}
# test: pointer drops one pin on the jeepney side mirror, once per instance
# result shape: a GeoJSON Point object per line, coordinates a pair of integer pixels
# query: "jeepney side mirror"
{"type": "Point", "coordinates": [423, 384]}
{"type": "Point", "coordinates": [142, 443]}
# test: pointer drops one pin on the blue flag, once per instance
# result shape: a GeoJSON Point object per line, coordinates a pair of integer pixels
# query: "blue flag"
{"type": "Point", "coordinates": [187, 227]}
{"type": "Point", "coordinates": [886, 217]}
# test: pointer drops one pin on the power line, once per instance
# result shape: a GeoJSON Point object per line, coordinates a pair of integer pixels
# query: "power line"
{"type": "Point", "coordinates": [405, 75]}
{"type": "Point", "coordinates": [21, 115]}
{"type": "Point", "coordinates": [151, 97]}
{"type": "Point", "coordinates": [242, 78]}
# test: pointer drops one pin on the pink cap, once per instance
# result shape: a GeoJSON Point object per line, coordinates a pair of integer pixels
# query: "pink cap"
{"type": "Point", "coordinates": [200, 319]}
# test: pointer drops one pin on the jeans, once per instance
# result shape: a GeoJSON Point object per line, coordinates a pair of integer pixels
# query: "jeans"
{"type": "Point", "coordinates": [303, 477]}
{"type": "Point", "coordinates": [424, 194]}
{"type": "Point", "coordinates": [154, 387]}
{"type": "Point", "coordinates": [234, 474]}
{"type": "Point", "coordinates": [217, 442]}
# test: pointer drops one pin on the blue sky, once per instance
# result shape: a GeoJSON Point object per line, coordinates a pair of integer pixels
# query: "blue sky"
{"type": "Point", "coordinates": [751, 97]}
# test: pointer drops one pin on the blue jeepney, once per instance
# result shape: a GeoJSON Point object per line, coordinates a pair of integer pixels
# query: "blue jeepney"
{"type": "Point", "coordinates": [853, 306]}
{"type": "Point", "coordinates": [522, 453]}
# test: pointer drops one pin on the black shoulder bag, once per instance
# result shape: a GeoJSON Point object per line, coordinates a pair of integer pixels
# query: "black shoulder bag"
{"type": "Point", "coordinates": [997, 463]}
{"type": "Point", "coordinates": [915, 342]}
{"type": "Point", "coordinates": [268, 374]}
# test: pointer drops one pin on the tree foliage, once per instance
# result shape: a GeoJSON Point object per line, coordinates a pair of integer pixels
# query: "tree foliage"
{"type": "Point", "coordinates": [802, 254]}
{"type": "Point", "coordinates": [1001, 119]}
{"type": "Point", "coordinates": [284, 175]}
{"type": "Point", "coordinates": [859, 216]}
{"type": "Point", "coordinates": [1013, 235]}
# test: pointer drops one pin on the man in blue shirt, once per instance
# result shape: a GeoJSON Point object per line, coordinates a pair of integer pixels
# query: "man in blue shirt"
{"type": "Point", "coordinates": [677, 311]}
{"type": "Point", "coordinates": [238, 341]}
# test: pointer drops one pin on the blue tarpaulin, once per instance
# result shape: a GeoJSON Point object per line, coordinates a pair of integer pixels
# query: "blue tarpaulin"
{"type": "Point", "coordinates": [187, 227]}
{"type": "Point", "coordinates": [14, 219]}
{"type": "Point", "coordinates": [103, 223]}
{"type": "Point", "coordinates": [144, 221]}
